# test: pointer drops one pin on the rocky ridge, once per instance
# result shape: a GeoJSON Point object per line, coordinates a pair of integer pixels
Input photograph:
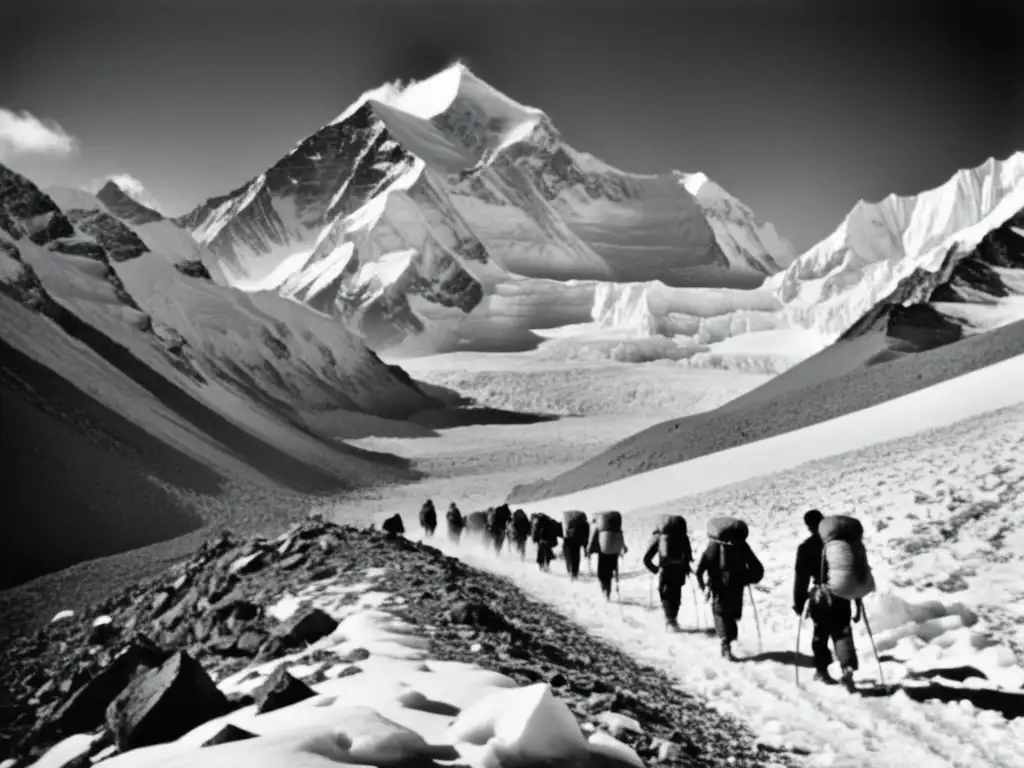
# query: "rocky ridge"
{"type": "Point", "coordinates": [209, 617]}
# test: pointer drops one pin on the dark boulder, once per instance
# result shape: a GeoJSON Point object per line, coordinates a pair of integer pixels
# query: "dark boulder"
{"type": "Point", "coordinates": [280, 690]}
{"type": "Point", "coordinates": [86, 708]}
{"type": "Point", "coordinates": [165, 704]}
{"type": "Point", "coordinates": [227, 734]}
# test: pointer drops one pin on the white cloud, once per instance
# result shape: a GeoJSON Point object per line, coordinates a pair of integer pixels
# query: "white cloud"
{"type": "Point", "coordinates": [22, 134]}
{"type": "Point", "coordinates": [132, 187]}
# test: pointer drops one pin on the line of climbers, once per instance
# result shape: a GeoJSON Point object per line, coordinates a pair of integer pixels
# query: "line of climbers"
{"type": "Point", "coordinates": [832, 574]}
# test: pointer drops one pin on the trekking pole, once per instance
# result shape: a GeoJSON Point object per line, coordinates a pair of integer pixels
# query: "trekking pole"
{"type": "Point", "coordinates": [650, 592]}
{"type": "Point", "coordinates": [874, 649]}
{"type": "Point", "coordinates": [618, 592]}
{"type": "Point", "coordinates": [757, 623]}
{"type": "Point", "coordinates": [796, 660]}
{"type": "Point", "coordinates": [696, 605]}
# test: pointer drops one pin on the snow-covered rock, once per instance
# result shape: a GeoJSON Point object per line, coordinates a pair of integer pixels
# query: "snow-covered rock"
{"type": "Point", "coordinates": [418, 203]}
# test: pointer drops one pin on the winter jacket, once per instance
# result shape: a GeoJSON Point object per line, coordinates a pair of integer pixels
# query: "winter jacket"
{"type": "Point", "coordinates": [807, 569]}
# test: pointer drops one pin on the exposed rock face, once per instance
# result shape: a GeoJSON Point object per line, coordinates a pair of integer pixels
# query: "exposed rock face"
{"type": "Point", "coordinates": [930, 309]}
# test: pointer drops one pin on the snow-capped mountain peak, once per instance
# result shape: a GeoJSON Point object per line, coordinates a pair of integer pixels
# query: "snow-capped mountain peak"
{"type": "Point", "coordinates": [468, 183]}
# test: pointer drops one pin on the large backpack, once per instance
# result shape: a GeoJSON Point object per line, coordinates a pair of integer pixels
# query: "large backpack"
{"type": "Point", "coordinates": [521, 524]}
{"type": "Point", "coordinates": [428, 515]}
{"type": "Point", "coordinates": [738, 566]}
{"type": "Point", "coordinates": [673, 541]}
{"type": "Point", "coordinates": [730, 530]}
{"type": "Point", "coordinates": [538, 522]}
{"type": "Point", "coordinates": [577, 527]}
{"type": "Point", "coordinates": [845, 571]}
{"type": "Point", "coordinates": [610, 540]}
{"type": "Point", "coordinates": [455, 517]}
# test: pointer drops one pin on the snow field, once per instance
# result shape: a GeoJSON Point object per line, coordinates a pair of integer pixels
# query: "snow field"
{"type": "Point", "coordinates": [526, 382]}
{"type": "Point", "coordinates": [944, 535]}
{"type": "Point", "coordinates": [386, 703]}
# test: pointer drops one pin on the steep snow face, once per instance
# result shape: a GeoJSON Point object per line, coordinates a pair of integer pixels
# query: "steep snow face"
{"type": "Point", "coordinates": [926, 269]}
{"type": "Point", "coordinates": [880, 244]}
{"type": "Point", "coordinates": [470, 190]}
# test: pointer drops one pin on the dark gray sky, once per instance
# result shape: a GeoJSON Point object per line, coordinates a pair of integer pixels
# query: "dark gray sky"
{"type": "Point", "coordinates": [798, 107]}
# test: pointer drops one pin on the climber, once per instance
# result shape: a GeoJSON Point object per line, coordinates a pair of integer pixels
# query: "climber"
{"type": "Point", "coordinates": [428, 518]}
{"type": "Point", "coordinates": [456, 522]}
{"type": "Point", "coordinates": [519, 533]}
{"type": "Point", "coordinates": [830, 614]}
{"type": "Point", "coordinates": [498, 519]}
{"type": "Point", "coordinates": [730, 565]}
{"type": "Point", "coordinates": [577, 532]}
{"type": "Point", "coordinates": [608, 543]}
{"type": "Point", "coordinates": [672, 546]}
{"type": "Point", "coordinates": [546, 532]}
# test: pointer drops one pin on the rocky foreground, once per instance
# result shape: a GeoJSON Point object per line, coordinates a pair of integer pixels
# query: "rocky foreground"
{"type": "Point", "coordinates": [162, 645]}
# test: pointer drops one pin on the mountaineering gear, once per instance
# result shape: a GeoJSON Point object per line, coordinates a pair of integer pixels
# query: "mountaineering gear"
{"type": "Point", "coordinates": [456, 522]}
{"type": "Point", "coordinates": [730, 566]}
{"type": "Point", "coordinates": [823, 676]}
{"type": "Point", "coordinates": [520, 532]}
{"type": "Point", "coordinates": [428, 517]}
{"type": "Point", "coordinates": [546, 533]}
{"type": "Point", "coordinates": [829, 612]}
{"type": "Point", "coordinates": [847, 680]}
{"type": "Point", "coordinates": [476, 523]}
{"type": "Point", "coordinates": [498, 519]}
{"type": "Point", "coordinates": [608, 544]}
{"type": "Point", "coordinates": [672, 545]}
{"type": "Point", "coordinates": [609, 530]}
{"type": "Point", "coordinates": [844, 564]}
{"type": "Point", "coordinates": [577, 532]}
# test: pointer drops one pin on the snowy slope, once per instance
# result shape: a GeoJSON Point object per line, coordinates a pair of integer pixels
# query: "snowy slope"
{"type": "Point", "coordinates": [937, 479]}
{"type": "Point", "coordinates": [472, 190]}
{"type": "Point", "coordinates": [290, 359]}
{"type": "Point", "coordinates": [252, 386]}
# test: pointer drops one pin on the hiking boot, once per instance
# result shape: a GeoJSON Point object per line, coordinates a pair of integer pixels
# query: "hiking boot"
{"type": "Point", "coordinates": [847, 680]}
{"type": "Point", "coordinates": [822, 676]}
{"type": "Point", "coordinates": [727, 652]}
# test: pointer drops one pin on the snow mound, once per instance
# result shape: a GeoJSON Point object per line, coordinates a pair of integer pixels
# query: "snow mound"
{"type": "Point", "coordinates": [396, 709]}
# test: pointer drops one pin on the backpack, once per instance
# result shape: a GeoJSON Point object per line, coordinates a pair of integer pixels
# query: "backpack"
{"type": "Point", "coordinates": [730, 530]}
{"type": "Point", "coordinates": [521, 524]}
{"type": "Point", "coordinates": [428, 515]}
{"type": "Point", "coordinates": [845, 571]}
{"type": "Point", "coordinates": [738, 566]}
{"type": "Point", "coordinates": [610, 521]}
{"type": "Point", "coordinates": [577, 527]}
{"type": "Point", "coordinates": [454, 517]}
{"type": "Point", "coordinates": [673, 541]}
{"type": "Point", "coordinates": [537, 521]}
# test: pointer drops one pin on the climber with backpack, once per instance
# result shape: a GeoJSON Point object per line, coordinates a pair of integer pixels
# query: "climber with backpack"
{"type": "Point", "coordinates": [834, 561]}
{"type": "Point", "coordinates": [520, 532]}
{"type": "Point", "coordinates": [456, 522]}
{"type": "Point", "coordinates": [608, 543]}
{"type": "Point", "coordinates": [498, 519]}
{"type": "Point", "coordinates": [730, 566]}
{"type": "Point", "coordinates": [577, 533]}
{"type": "Point", "coordinates": [671, 544]}
{"type": "Point", "coordinates": [546, 532]}
{"type": "Point", "coordinates": [428, 518]}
